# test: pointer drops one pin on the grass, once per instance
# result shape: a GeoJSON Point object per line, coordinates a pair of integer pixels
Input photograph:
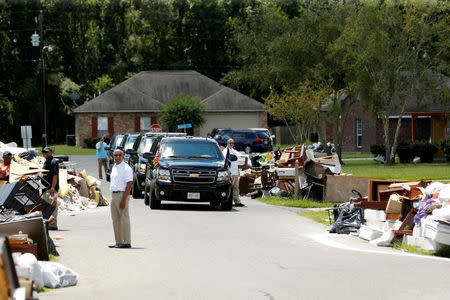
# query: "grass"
{"type": "Point", "coordinates": [318, 216]}
{"type": "Point", "coordinates": [410, 249]}
{"type": "Point", "coordinates": [291, 202]}
{"type": "Point", "coordinates": [70, 150]}
{"type": "Point", "coordinates": [421, 171]}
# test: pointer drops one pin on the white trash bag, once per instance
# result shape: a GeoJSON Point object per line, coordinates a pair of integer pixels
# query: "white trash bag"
{"type": "Point", "coordinates": [56, 275]}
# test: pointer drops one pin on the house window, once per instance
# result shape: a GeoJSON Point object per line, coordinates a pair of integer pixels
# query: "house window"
{"type": "Point", "coordinates": [102, 126]}
{"type": "Point", "coordinates": [145, 123]}
{"type": "Point", "coordinates": [358, 133]}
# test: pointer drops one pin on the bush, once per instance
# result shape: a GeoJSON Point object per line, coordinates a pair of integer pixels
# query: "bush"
{"type": "Point", "coordinates": [445, 146]}
{"type": "Point", "coordinates": [425, 151]}
{"type": "Point", "coordinates": [405, 152]}
{"type": "Point", "coordinates": [378, 149]}
{"type": "Point", "coordinates": [90, 142]}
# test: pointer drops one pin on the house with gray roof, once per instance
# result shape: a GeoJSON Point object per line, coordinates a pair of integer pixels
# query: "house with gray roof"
{"type": "Point", "coordinates": [134, 105]}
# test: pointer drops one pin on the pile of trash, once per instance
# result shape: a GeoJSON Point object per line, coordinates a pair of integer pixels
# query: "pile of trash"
{"type": "Point", "coordinates": [415, 213]}
{"type": "Point", "coordinates": [274, 173]}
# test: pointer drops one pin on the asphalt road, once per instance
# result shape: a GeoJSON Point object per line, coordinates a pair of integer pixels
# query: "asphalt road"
{"type": "Point", "coordinates": [191, 251]}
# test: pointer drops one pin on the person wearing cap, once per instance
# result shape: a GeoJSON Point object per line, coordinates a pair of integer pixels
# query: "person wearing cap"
{"type": "Point", "coordinates": [4, 168]}
{"type": "Point", "coordinates": [51, 183]}
{"type": "Point", "coordinates": [101, 156]}
{"type": "Point", "coordinates": [120, 185]}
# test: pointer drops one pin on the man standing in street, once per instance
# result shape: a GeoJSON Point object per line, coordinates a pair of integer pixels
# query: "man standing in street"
{"type": "Point", "coordinates": [120, 185]}
{"type": "Point", "coordinates": [4, 168]}
{"type": "Point", "coordinates": [101, 156]}
{"type": "Point", "coordinates": [51, 182]}
{"type": "Point", "coordinates": [233, 165]}
{"type": "Point", "coordinates": [107, 138]}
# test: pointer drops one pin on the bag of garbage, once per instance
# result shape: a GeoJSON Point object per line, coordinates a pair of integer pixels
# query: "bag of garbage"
{"type": "Point", "coordinates": [56, 275]}
{"type": "Point", "coordinates": [276, 191]}
{"type": "Point", "coordinates": [28, 155]}
{"type": "Point", "coordinates": [29, 260]}
{"type": "Point", "coordinates": [348, 220]}
{"type": "Point", "coordinates": [256, 194]}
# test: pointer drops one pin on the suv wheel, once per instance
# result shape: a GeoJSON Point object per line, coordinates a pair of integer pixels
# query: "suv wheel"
{"type": "Point", "coordinates": [146, 197]}
{"type": "Point", "coordinates": [135, 192]}
{"type": "Point", "coordinates": [228, 204]}
{"type": "Point", "coordinates": [154, 204]}
{"type": "Point", "coordinates": [248, 149]}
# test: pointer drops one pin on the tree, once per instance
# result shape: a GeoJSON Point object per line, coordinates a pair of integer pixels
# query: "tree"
{"type": "Point", "coordinates": [300, 107]}
{"type": "Point", "coordinates": [392, 51]}
{"type": "Point", "coordinates": [103, 83]}
{"type": "Point", "coordinates": [183, 109]}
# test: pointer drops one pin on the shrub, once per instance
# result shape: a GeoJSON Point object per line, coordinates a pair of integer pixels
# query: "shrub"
{"type": "Point", "coordinates": [405, 152]}
{"type": "Point", "coordinates": [445, 146]}
{"type": "Point", "coordinates": [90, 142]}
{"type": "Point", "coordinates": [425, 151]}
{"type": "Point", "coordinates": [378, 149]}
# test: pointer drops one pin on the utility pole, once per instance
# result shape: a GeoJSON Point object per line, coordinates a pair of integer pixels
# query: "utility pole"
{"type": "Point", "coordinates": [44, 105]}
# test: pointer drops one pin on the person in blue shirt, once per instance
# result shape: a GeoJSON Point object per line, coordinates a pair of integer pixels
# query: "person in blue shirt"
{"type": "Point", "coordinates": [101, 156]}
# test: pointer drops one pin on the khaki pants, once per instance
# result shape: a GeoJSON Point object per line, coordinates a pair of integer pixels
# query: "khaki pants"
{"type": "Point", "coordinates": [49, 199]}
{"type": "Point", "coordinates": [235, 188]}
{"type": "Point", "coordinates": [121, 219]}
{"type": "Point", "coordinates": [101, 162]}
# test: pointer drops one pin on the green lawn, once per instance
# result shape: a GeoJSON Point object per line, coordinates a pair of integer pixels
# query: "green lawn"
{"type": "Point", "coordinates": [318, 216]}
{"type": "Point", "coordinates": [290, 202]}
{"type": "Point", "coordinates": [70, 150]}
{"type": "Point", "coordinates": [370, 168]}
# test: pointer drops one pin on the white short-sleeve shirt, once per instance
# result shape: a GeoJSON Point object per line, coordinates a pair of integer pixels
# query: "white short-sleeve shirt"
{"type": "Point", "coordinates": [121, 174]}
{"type": "Point", "coordinates": [234, 169]}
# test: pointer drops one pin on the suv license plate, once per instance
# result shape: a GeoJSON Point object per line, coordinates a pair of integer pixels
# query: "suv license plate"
{"type": "Point", "coordinates": [193, 195]}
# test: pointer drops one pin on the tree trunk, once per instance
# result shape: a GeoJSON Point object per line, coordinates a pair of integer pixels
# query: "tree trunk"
{"type": "Point", "coordinates": [387, 145]}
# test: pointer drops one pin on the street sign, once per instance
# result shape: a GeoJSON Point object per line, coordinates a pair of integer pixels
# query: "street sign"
{"type": "Point", "coordinates": [184, 126]}
{"type": "Point", "coordinates": [155, 128]}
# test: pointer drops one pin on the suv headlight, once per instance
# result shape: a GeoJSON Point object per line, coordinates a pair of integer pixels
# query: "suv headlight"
{"type": "Point", "coordinates": [223, 175]}
{"type": "Point", "coordinates": [163, 175]}
{"type": "Point", "coordinates": [142, 168]}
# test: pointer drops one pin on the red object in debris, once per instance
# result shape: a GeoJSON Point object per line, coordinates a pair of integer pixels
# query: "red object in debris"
{"type": "Point", "coordinates": [258, 140]}
{"type": "Point", "coordinates": [155, 128]}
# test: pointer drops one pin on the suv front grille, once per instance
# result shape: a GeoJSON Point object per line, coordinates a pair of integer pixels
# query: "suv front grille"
{"type": "Point", "coordinates": [193, 176]}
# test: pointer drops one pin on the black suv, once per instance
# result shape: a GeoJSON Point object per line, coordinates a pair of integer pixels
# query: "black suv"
{"type": "Point", "coordinates": [246, 140]}
{"type": "Point", "coordinates": [188, 169]}
{"type": "Point", "coordinates": [146, 142]}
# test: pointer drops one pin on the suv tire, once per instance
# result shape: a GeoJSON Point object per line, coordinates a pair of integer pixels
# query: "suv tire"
{"type": "Point", "coordinates": [146, 197]}
{"type": "Point", "coordinates": [154, 204]}
{"type": "Point", "coordinates": [135, 191]}
{"type": "Point", "coordinates": [228, 204]}
{"type": "Point", "coordinates": [248, 149]}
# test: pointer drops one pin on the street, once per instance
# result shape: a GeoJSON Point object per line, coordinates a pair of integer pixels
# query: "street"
{"type": "Point", "coordinates": [192, 251]}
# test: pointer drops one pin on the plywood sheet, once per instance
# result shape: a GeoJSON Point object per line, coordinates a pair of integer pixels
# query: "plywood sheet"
{"type": "Point", "coordinates": [339, 188]}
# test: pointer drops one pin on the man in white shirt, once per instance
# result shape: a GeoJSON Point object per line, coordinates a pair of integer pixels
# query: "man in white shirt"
{"type": "Point", "coordinates": [120, 185]}
{"type": "Point", "coordinates": [233, 165]}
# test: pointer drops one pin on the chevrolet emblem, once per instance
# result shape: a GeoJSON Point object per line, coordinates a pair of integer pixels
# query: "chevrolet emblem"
{"type": "Point", "coordinates": [193, 175]}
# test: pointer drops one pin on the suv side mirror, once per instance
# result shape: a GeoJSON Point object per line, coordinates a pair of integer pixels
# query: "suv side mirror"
{"type": "Point", "coordinates": [131, 151]}
{"type": "Point", "coordinates": [107, 148]}
{"type": "Point", "coordinates": [218, 137]}
{"type": "Point", "coordinates": [148, 155]}
{"type": "Point", "coordinates": [233, 157]}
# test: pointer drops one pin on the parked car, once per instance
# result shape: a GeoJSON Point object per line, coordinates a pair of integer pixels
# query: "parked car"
{"type": "Point", "coordinates": [116, 141]}
{"type": "Point", "coordinates": [272, 136]}
{"type": "Point", "coordinates": [246, 140]}
{"type": "Point", "coordinates": [217, 131]}
{"type": "Point", "coordinates": [146, 142]}
{"type": "Point", "coordinates": [188, 169]}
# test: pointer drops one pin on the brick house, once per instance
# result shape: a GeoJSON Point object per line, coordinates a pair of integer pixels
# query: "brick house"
{"type": "Point", "coordinates": [420, 121]}
{"type": "Point", "coordinates": [134, 105]}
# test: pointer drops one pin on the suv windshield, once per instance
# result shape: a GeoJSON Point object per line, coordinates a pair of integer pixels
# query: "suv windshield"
{"type": "Point", "coordinates": [190, 150]}
{"type": "Point", "coordinates": [146, 145]}
{"type": "Point", "coordinates": [117, 141]}
{"type": "Point", "coordinates": [130, 142]}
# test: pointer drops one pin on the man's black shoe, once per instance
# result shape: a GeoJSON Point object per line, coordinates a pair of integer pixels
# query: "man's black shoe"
{"type": "Point", "coordinates": [123, 246]}
{"type": "Point", "coordinates": [113, 246]}
{"type": "Point", "coordinates": [240, 205]}
{"type": "Point", "coordinates": [52, 227]}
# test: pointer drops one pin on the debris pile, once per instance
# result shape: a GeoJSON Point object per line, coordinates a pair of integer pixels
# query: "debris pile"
{"type": "Point", "coordinates": [415, 213]}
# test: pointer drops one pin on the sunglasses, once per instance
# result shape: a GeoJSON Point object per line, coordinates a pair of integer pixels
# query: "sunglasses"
{"type": "Point", "coordinates": [117, 154]}
{"type": "Point", "coordinates": [230, 143]}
